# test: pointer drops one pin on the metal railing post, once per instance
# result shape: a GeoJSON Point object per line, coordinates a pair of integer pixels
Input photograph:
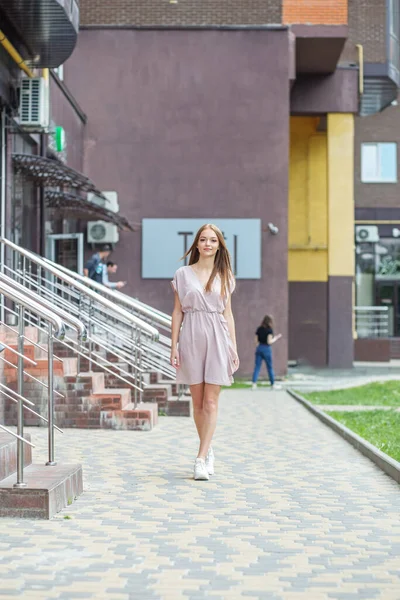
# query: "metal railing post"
{"type": "Point", "coordinates": [140, 392]}
{"type": "Point", "coordinates": [51, 462]}
{"type": "Point", "coordinates": [78, 363]}
{"type": "Point", "coordinates": [90, 334]}
{"type": "Point", "coordinates": [20, 410]}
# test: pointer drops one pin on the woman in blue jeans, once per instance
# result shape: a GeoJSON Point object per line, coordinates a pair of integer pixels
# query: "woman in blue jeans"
{"type": "Point", "coordinates": [264, 339]}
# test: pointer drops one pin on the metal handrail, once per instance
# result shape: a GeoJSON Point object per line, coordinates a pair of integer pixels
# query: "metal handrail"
{"type": "Point", "coordinates": [19, 437]}
{"type": "Point", "coordinates": [63, 314]}
{"type": "Point", "coordinates": [43, 312]}
{"type": "Point", "coordinates": [145, 327]}
{"type": "Point", "coordinates": [132, 303]}
{"type": "Point", "coordinates": [56, 329]}
{"type": "Point", "coordinates": [93, 322]}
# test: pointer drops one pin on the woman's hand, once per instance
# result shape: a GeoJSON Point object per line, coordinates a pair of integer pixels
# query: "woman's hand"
{"type": "Point", "coordinates": [174, 359]}
{"type": "Point", "coordinates": [236, 361]}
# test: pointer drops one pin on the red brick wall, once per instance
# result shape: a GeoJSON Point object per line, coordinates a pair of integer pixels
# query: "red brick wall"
{"type": "Point", "coordinates": [183, 12]}
{"type": "Point", "coordinates": [315, 12]}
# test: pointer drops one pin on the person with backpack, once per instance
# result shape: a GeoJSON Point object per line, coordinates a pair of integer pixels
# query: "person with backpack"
{"type": "Point", "coordinates": [94, 266]}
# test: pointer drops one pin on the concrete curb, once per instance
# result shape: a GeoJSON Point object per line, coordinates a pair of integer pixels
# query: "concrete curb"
{"type": "Point", "coordinates": [390, 466]}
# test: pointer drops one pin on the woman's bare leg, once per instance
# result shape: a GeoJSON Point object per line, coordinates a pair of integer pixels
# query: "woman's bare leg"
{"type": "Point", "coordinates": [197, 392]}
{"type": "Point", "coordinates": [209, 417]}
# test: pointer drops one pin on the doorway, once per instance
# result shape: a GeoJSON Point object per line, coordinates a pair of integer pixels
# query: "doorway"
{"type": "Point", "coordinates": [388, 294]}
{"type": "Point", "coordinates": [66, 249]}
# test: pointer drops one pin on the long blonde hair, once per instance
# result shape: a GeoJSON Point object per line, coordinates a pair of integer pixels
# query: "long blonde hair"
{"type": "Point", "coordinates": [222, 263]}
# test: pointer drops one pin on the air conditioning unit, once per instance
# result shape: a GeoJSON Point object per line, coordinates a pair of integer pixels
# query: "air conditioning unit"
{"type": "Point", "coordinates": [101, 232]}
{"type": "Point", "coordinates": [367, 233]}
{"type": "Point", "coordinates": [34, 102]}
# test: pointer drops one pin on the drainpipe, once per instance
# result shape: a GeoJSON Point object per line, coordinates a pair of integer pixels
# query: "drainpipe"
{"type": "Point", "coordinates": [15, 55]}
{"type": "Point", "coordinates": [42, 202]}
{"type": "Point", "coordinates": [360, 49]}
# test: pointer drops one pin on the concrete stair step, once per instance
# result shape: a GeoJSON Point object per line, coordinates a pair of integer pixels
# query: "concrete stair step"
{"type": "Point", "coordinates": [49, 490]}
{"type": "Point", "coordinates": [8, 454]}
{"type": "Point", "coordinates": [142, 418]}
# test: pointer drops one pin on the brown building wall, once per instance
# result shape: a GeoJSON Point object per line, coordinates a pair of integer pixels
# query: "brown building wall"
{"type": "Point", "coordinates": [382, 127]}
{"type": "Point", "coordinates": [308, 322]}
{"type": "Point", "coordinates": [192, 124]}
{"type": "Point", "coordinates": [187, 12]}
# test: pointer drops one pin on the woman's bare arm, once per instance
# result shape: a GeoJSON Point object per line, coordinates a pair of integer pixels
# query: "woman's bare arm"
{"type": "Point", "coordinates": [271, 339]}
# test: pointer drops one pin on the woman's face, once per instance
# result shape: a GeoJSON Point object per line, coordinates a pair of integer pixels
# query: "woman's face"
{"type": "Point", "coordinates": [208, 243]}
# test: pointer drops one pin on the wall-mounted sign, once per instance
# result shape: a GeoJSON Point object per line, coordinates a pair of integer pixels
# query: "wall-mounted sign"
{"type": "Point", "coordinates": [164, 241]}
{"type": "Point", "coordinates": [59, 136]}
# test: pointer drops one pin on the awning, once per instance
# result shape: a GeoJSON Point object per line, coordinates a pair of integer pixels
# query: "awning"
{"type": "Point", "coordinates": [53, 173]}
{"type": "Point", "coordinates": [86, 210]}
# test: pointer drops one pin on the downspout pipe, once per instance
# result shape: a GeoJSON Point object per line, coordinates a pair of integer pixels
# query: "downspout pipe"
{"type": "Point", "coordinates": [15, 55]}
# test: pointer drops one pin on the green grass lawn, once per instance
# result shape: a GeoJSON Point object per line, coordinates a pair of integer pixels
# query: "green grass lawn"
{"type": "Point", "coordinates": [245, 384]}
{"type": "Point", "coordinates": [379, 427]}
{"type": "Point", "coordinates": [386, 393]}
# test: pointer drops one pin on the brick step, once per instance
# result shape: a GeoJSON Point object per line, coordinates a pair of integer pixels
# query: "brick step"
{"type": "Point", "coordinates": [142, 418]}
{"type": "Point", "coordinates": [8, 454]}
{"type": "Point", "coordinates": [178, 408]}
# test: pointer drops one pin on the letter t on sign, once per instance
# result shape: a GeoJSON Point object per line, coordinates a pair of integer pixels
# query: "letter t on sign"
{"type": "Point", "coordinates": [185, 242]}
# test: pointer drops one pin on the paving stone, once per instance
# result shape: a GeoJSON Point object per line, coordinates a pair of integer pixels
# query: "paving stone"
{"type": "Point", "coordinates": [292, 513]}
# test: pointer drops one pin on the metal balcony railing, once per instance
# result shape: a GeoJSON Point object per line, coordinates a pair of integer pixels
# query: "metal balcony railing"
{"type": "Point", "coordinates": [372, 321]}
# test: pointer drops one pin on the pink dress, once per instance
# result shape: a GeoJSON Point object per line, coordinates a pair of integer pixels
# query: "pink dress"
{"type": "Point", "coordinates": [206, 351]}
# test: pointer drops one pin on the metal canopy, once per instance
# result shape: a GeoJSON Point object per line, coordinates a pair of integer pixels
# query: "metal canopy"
{"type": "Point", "coordinates": [49, 172]}
{"type": "Point", "coordinates": [84, 209]}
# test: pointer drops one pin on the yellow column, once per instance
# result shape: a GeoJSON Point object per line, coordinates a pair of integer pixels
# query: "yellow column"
{"type": "Point", "coordinates": [341, 195]}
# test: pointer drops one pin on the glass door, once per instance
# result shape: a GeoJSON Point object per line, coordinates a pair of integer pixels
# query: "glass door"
{"type": "Point", "coordinates": [388, 294]}
{"type": "Point", "coordinates": [66, 249]}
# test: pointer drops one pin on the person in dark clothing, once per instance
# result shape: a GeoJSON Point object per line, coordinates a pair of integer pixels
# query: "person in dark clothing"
{"type": "Point", "coordinates": [264, 339]}
{"type": "Point", "coordinates": [94, 266]}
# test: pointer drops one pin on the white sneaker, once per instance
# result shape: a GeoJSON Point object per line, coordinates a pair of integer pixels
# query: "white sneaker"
{"type": "Point", "coordinates": [210, 462]}
{"type": "Point", "coordinates": [200, 470]}
{"type": "Point", "coordinates": [254, 386]}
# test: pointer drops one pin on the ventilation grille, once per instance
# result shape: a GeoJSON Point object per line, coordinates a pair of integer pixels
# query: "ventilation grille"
{"type": "Point", "coordinates": [33, 105]}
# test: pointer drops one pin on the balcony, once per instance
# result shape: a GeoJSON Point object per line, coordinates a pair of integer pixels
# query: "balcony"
{"type": "Point", "coordinates": [382, 76]}
{"type": "Point", "coordinates": [44, 31]}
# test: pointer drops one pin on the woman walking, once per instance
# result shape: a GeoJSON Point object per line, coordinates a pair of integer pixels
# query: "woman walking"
{"type": "Point", "coordinates": [206, 356]}
{"type": "Point", "coordinates": [264, 339]}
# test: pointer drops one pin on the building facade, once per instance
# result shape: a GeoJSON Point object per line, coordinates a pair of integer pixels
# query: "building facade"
{"type": "Point", "coordinates": [196, 111]}
{"type": "Point", "coordinates": [249, 114]}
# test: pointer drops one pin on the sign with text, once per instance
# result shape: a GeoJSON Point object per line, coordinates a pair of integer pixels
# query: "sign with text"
{"type": "Point", "coordinates": [165, 241]}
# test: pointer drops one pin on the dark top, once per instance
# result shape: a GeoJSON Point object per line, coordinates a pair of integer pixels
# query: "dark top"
{"type": "Point", "coordinates": [262, 333]}
{"type": "Point", "coordinates": [95, 268]}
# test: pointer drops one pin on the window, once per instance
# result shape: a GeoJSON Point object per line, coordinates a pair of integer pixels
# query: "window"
{"type": "Point", "coordinates": [379, 163]}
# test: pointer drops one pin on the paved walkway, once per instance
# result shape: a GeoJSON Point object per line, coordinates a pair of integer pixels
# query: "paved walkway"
{"type": "Point", "coordinates": [294, 512]}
